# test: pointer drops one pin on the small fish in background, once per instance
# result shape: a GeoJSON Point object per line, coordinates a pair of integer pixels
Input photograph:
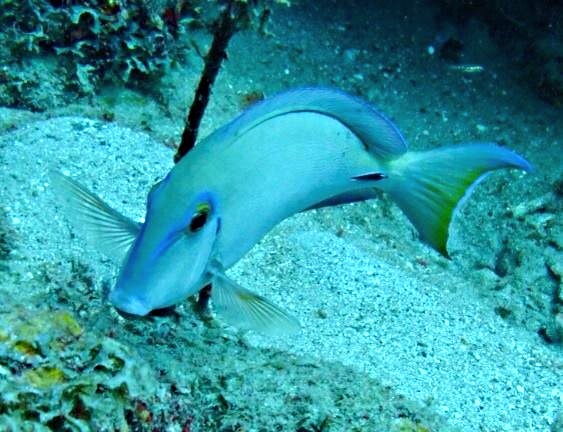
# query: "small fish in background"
{"type": "Point", "coordinates": [467, 68]}
{"type": "Point", "coordinates": [450, 49]}
{"type": "Point", "coordinates": [302, 149]}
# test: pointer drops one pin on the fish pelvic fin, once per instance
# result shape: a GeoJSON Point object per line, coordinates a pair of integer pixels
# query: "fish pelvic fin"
{"type": "Point", "coordinates": [430, 186]}
{"type": "Point", "coordinates": [242, 308]}
{"type": "Point", "coordinates": [107, 229]}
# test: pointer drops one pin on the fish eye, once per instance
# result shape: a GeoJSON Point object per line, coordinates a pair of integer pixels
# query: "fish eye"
{"type": "Point", "coordinates": [200, 217]}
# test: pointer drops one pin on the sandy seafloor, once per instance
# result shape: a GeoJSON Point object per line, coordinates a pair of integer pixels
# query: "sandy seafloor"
{"type": "Point", "coordinates": [390, 330]}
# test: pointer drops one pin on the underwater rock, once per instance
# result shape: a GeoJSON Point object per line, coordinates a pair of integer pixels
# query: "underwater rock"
{"type": "Point", "coordinates": [528, 31]}
{"type": "Point", "coordinates": [407, 425]}
{"type": "Point", "coordinates": [545, 69]}
{"type": "Point", "coordinates": [45, 376]}
{"type": "Point", "coordinates": [451, 50]}
{"type": "Point", "coordinates": [558, 327]}
{"type": "Point", "coordinates": [35, 83]}
{"type": "Point", "coordinates": [77, 380]}
{"type": "Point", "coordinates": [93, 42]}
{"type": "Point", "coordinates": [536, 205]}
{"type": "Point", "coordinates": [557, 425]}
{"type": "Point", "coordinates": [57, 375]}
{"type": "Point", "coordinates": [90, 42]}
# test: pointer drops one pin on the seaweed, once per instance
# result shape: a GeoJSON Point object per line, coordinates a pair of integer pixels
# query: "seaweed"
{"type": "Point", "coordinates": [58, 375]}
{"type": "Point", "coordinates": [90, 41]}
{"type": "Point", "coordinates": [57, 50]}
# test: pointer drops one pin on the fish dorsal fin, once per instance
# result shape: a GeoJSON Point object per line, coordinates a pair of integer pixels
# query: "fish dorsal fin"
{"type": "Point", "coordinates": [379, 134]}
{"type": "Point", "coordinates": [108, 229]}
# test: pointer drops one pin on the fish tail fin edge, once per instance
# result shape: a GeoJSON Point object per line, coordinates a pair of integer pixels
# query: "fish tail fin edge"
{"type": "Point", "coordinates": [430, 186]}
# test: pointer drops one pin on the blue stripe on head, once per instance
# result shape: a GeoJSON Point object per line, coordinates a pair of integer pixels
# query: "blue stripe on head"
{"type": "Point", "coordinates": [156, 189]}
{"type": "Point", "coordinates": [179, 227]}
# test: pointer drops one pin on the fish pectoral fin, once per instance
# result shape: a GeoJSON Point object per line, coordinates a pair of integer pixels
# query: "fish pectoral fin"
{"type": "Point", "coordinates": [108, 229]}
{"type": "Point", "coordinates": [240, 307]}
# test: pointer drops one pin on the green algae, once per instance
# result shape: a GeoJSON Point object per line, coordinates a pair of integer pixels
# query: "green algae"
{"type": "Point", "coordinates": [58, 377]}
{"type": "Point", "coordinates": [407, 425]}
{"type": "Point", "coordinates": [56, 51]}
{"type": "Point", "coordinates": [45, 376]}
{"type": "Point", "coordinates": [197, 376]}
{"type": "Point", "coordinates": [26, 348]}
{"type": "Point", "coordinates": [66, 322]}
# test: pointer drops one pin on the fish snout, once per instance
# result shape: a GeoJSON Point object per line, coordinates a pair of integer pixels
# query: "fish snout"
{"type": "Point", "coordinates": [127, 305]}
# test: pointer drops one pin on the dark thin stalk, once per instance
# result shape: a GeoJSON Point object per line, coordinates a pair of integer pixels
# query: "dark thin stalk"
{"type": "Point", "coordinates": [226, 28]}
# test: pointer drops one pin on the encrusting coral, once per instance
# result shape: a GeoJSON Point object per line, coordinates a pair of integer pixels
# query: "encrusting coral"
{"type": "Point", "coordinates": [56, 376]}
{"type": "Point", "coordinates": [91, 41]}
{"type": "Point", "coordinates": [64, 48]}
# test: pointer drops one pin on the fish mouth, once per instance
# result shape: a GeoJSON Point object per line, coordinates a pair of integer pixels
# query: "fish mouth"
{"type": "Point", "coordinates": [128, 306]}
{"type": "Point", "coordinates": [169, 311]}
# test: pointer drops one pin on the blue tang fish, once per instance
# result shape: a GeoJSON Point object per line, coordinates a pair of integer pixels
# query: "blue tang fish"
{"type": "Point", "coordinates": [302, 149]}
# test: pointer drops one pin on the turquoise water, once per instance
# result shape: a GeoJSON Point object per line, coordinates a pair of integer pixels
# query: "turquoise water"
{"type": "Point", "coordinates": [394, 337]}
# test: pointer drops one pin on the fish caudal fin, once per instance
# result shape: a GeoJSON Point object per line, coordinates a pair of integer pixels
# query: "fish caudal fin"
{"type": "Point", "coordinates": [106, 227]}
{"type": "Point", "coordinates": [429, 186]}
{"type": "Point", "coordinates": [242, 308]}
